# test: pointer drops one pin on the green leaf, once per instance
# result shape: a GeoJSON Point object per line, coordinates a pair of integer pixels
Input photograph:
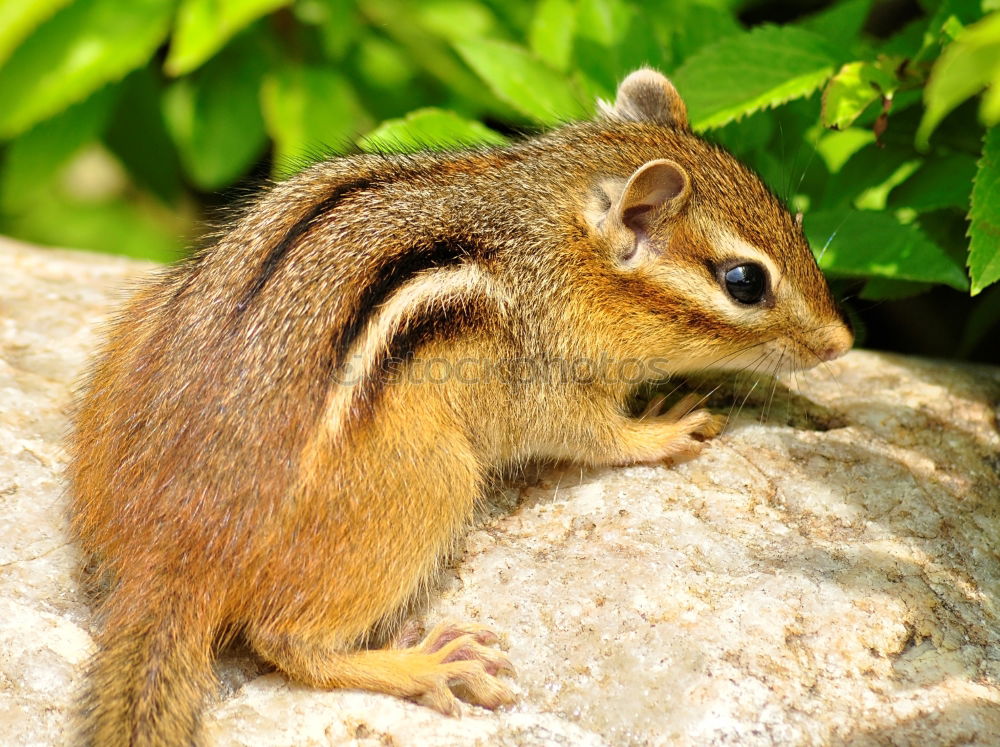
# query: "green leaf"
{"type": "Point", "coordinates": [431, 55]}
{"type": "Point", "coordinates": [522, 80]}
{"type": "Point", "coordinates": [837, 148]}
{"type": "Point", "coordinates": [309, 111]}
{"type": "Point", "coordinates": [204, 26]}
{"type": "Point", "coordinates": [964, 68]}
{"type": "Point", "coordinates": [885, 289]}
{"type": "Point", "coordinates": [611, 39]}
{"type": "Point", "coordinates": [959, 132]}
{"type": "Point", "coordinates": [115, 225]}
{"type": "Point", "coordinates": [338, 21]}
{"type": "Point", "coordinates": [874, 244]}
{"type": "Point", "coordinates": [34, 158]}
{"type": "Point", "coordinates": [906, 42]}
{"type": "Point", "coordinates": [685, 27]}
{"type": "Point", "coordinates": [83, 47]}
{"type": "Point", "coordinates": [603, 21]}
{"type": "Point", "coordinates": [984, 227]}
{"type": "Point", "coordinates": [747, 135]}
{"type": "Point", "coordinates": [433, 129]}
{"type": "Point", "coordinates": [214, 116]}
{"type": "Point", "coordinates": [852, 90]}
{"type": "Point", "coordinates": [456, 20]}
{"type": "Point", "coordinates": [877, 197]}
{"type": "Point", "coordinates": [339, 24]}
{"type": "Point", "coordinates": [514, 14]}
{"type": "Point", "coordinates": [755, 70]}
{"type": "Point", "coordinates": [952, 27]}
{"type": "Point", "coordinates": [949, 17]}
{"type": "Point", "coordinates": [939, 183]}
{"type": "Point", "coordinates": [952, 15]}
{"type": "Point", "coordinates": [841, 23]}
{"type": "Point", "coordinates": [551, 33]}
{"type": "Point", "coordinates": [384, 65]}
{"type": "Point", "coordinates": [137, 135]}
{"type": "Point", "coordinates": [19, 17]}
{"type": "Point", "coordinates": [869, 168]}
{"type": "Point", "coordinates": [790, 163]}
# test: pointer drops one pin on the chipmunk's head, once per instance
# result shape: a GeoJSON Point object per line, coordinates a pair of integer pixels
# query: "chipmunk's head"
{"type": "Point", "coordinates": [700, 237]}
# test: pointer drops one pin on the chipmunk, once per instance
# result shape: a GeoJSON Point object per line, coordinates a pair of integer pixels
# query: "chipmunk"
{"type": "Point", "coordinates": [250, 454]}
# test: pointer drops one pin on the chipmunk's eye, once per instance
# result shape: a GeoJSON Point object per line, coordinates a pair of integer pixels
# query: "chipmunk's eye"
{"type": "Point", "coordinates": [746, 283]}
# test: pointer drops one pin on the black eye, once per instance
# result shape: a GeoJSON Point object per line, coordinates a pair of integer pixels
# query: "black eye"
{"type": "Point", "coordinates": [746, 283]}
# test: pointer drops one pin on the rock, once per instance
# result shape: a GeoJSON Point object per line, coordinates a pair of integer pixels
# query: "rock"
{"type": "Point", "coordinates": [829, 575]}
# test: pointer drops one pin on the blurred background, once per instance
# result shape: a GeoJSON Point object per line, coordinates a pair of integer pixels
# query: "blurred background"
{"type": "Point", "coordinates": [130, 126]}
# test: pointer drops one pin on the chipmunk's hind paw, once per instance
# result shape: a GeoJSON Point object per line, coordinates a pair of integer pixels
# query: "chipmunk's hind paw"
{"type": "Point", "coordinates": [451, 655]}
{"type": "Point", "coordinates": [461, 656]}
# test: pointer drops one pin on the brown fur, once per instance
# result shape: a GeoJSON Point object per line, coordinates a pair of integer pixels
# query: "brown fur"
{"type": "Point", "coordinates": [225, 476]}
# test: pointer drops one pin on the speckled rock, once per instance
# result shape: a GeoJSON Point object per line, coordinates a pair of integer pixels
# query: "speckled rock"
{"type": "Point", "coordinates": [827, 574]}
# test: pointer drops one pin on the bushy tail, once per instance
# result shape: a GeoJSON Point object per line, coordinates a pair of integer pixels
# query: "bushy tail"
{"type": "Point", "coordinates": [148, 680]}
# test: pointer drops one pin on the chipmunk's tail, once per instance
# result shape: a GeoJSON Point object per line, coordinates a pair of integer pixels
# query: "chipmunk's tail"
{"type": "Point", "coordinates": [147, 681]}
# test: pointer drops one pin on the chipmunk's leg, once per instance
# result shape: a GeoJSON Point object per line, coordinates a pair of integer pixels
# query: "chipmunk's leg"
{"type": "Point", "coordinates": [677, 434]}
{"type": "Point", "coordinates": [450, 655]}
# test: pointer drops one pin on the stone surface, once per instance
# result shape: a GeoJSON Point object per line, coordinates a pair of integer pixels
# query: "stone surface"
{"type": "Point", "coordinates": [830, 575]}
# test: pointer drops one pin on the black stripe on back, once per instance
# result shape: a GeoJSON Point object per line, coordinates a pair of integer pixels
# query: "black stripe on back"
{"type": "Point", "coordinates": [280, 249]}
{"type": "Point", "coordinates": [390, 277]}
{"type": "Point", "coordinates": [457, 317]}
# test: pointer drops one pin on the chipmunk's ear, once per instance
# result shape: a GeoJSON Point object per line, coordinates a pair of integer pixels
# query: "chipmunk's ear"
{"type": "Point", "coordinates": [646, 96]}
{"type": "Point", "coordinates": [656, 190]}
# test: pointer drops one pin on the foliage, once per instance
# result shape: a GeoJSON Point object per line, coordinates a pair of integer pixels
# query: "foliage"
{"type": "Point", "coordinates": [885, 137]}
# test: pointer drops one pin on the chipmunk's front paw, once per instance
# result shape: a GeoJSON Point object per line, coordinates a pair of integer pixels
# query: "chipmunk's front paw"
{"type": "Point", "coordinates": [675, 435]}
{"type": "Point", "coordinates": [694, 429]}
{"type": "Point", "coordinates": [461, 656]}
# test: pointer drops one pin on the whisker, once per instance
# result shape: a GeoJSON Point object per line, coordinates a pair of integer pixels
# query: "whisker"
{"type": "Point", "coordinates": [819, 361]}
{"type": "Point", "coordinates": [830, 240]}
{"type": "Point", "coordinates": [738, 352]}
{"type": "Point", "coordinates": [706, 397]}
{"type": "Point", "coordinates": [766, 413]}
{"type": "Point", "coordinates": [791, 172]}
{"type": "Point", "coordinates": [746, 397]}
{"type": "Point", "coordinates": [752, 372]}
{"type": "Point", "coordinates": [732, 400]}
{"type": "Point", "coordinates": [802, 177]}
{"type": "Point", "coordinates": [789, 389]}
{"type": "Point", "coordinates": [826, 246]}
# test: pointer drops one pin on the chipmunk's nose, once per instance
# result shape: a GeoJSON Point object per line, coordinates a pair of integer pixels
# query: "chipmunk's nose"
{"type": "Point", "coordinates": [839, 341]}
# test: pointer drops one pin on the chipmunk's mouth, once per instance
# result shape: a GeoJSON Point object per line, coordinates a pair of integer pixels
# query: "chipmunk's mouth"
{"type": "Point", "coordinates": [826, 344]}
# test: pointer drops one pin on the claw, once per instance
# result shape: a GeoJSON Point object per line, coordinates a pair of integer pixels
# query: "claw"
{"type": "Point", "coordinates": [698, 427]}
{"type": "Point", "coordinates": [461, 656]}
{"type": "Point", "coordinates": [441, 699]}
{"type": "Point", "coordinates": [704, 424]}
